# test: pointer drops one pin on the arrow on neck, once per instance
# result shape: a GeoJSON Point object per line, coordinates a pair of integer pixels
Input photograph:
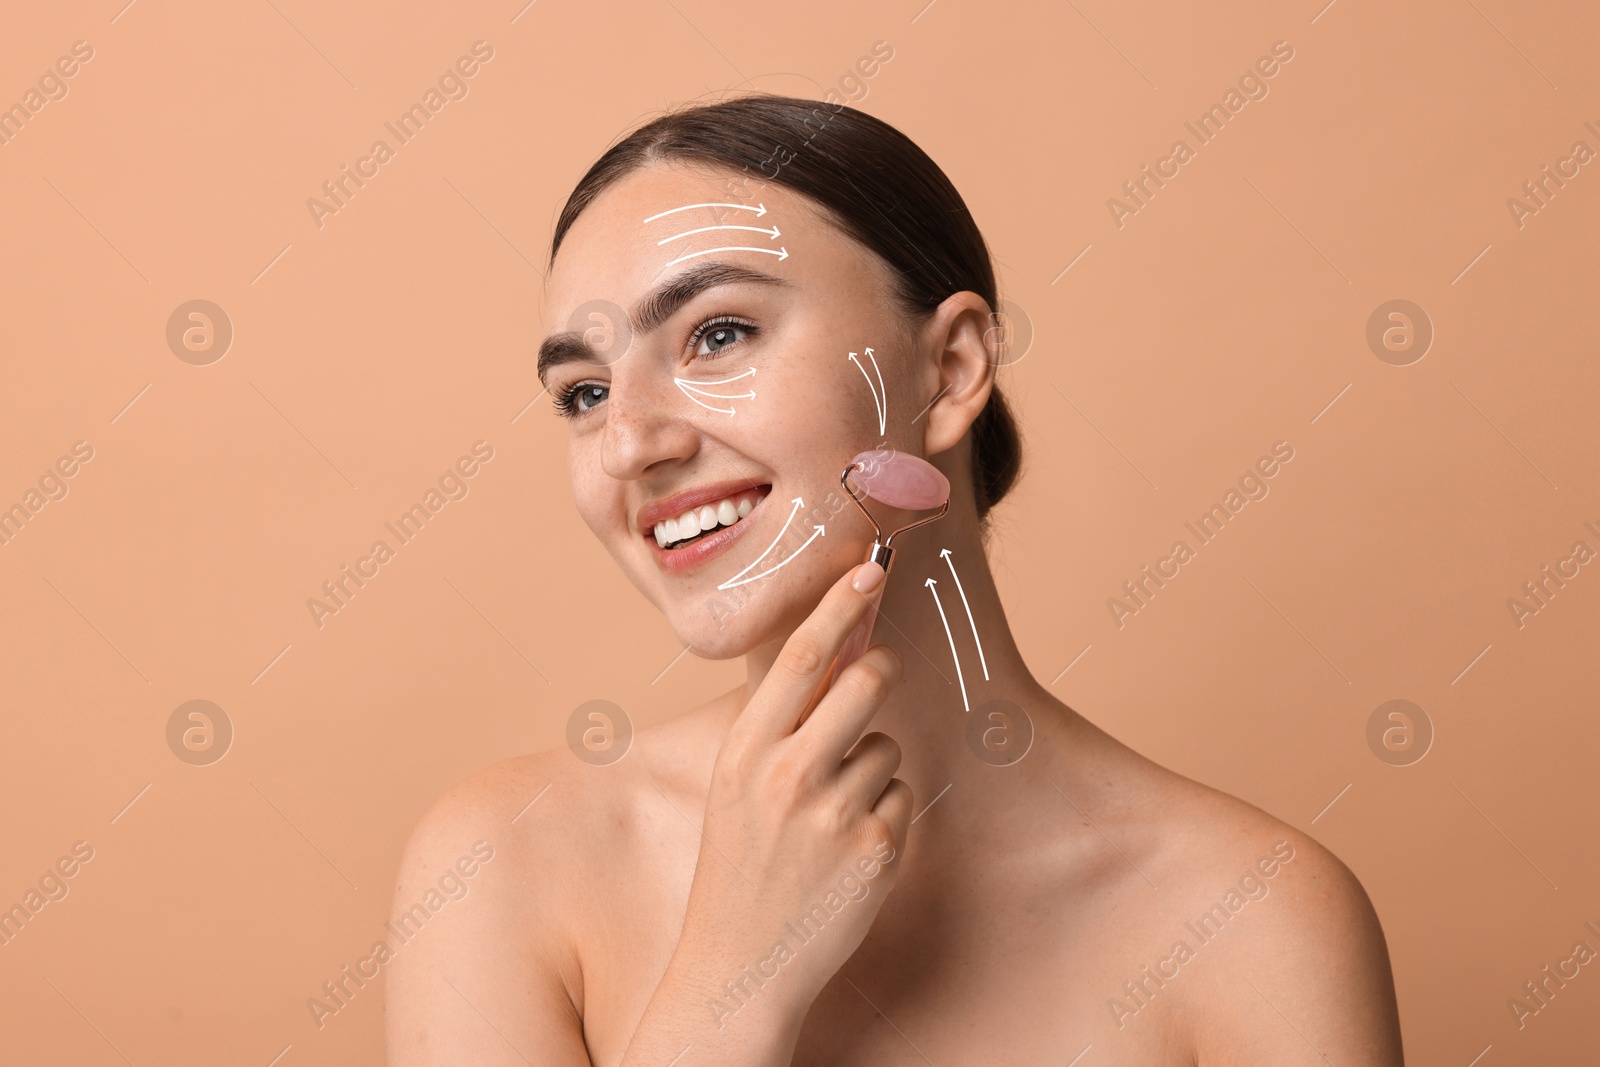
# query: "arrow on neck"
{"type": "Point", "coordinates": [949, 563]}
{"type": "Point", "coordinates": [933, 587]}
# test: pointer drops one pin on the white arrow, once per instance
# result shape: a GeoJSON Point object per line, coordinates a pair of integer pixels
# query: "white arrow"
{"type": "Point", "coordinates": [690, 388]}
{"type": "Point", "coordinates": [781, 254]}
{"type": "Point", "coordinates": [759, 209]}
{"type": "Point", "coordinates": [690, 394]}
{"type": "Point", "coordinates": [951, 564]}
{"type": "Point", "coordinates": [720, 381]}
{"type": "Point", "coordinates": [882, 406]}
{"type": "Point", "coordinates": [798, 503]}
{"type": "Point", "coordinates": [817, 531]}
{"type": "Point", "coordinates": [933, 587]}
{"type": "Point", "coordinates": [706, 229]}
{"type": "Point", "coordinates": [881, 390]}
{"type": "Point", "coordinates": [715, 396]}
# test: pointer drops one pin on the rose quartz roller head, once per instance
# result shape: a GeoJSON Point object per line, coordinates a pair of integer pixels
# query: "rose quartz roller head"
{"type": "Point", "coordinates": [901, 481]}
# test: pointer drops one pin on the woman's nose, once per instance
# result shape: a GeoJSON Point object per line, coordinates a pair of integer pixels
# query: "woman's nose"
{"type": "Point", "coordinates": [643, 425]}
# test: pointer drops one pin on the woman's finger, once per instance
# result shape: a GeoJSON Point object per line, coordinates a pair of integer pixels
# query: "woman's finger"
{"type": "Point", "coordinates": [894, 808]}
{"type": "Point", "coordinates": [865, 773]}
{"type": "Point", "coordinates": [850, 703]}
{"type": "Point", "coordinates": [801, 669]}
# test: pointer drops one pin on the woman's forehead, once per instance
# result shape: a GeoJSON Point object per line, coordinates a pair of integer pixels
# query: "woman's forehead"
{"type": "Point", "coordinates": [666, 215]}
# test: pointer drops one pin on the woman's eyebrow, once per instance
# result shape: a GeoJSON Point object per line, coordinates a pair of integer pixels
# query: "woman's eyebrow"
{"type": "Point", "coordinates": [661, 304]}
{"type": "Point", "coordinates": [654, 309]}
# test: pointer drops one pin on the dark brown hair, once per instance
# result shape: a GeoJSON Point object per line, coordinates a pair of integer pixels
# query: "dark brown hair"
{"type": "Point", "coordinates": [878, 187]}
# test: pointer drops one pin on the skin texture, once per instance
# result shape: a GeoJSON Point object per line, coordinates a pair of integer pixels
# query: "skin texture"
{"type": "Point", "coordinates": [618, 908]}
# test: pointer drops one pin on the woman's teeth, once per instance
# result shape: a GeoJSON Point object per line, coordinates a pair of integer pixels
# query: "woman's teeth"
{"type": "Point", "coordinates": [696, 521]}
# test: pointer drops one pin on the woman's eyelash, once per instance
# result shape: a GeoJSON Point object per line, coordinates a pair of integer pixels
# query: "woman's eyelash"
{"type": "Point", "coordinates": [566, 401]}
{"type": "Point", "coordinates": [715, 322]}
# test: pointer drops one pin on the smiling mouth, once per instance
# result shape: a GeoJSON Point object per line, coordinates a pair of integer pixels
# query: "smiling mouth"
{"type": "Point", "coordinates": [697, 523]}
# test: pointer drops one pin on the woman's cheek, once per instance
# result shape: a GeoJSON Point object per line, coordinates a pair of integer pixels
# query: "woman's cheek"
{"type": "Point", "coordinates": [829, 413]}
{"type": "Point", "coordinates": [591, 494]}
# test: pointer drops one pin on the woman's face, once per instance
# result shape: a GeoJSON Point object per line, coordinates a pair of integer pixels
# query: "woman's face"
{"type": "Point", "coordinates": [706, 370]}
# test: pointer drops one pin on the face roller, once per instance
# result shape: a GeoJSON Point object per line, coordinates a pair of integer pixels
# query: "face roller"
{"type": "Point", "coordinates": [901, 481]}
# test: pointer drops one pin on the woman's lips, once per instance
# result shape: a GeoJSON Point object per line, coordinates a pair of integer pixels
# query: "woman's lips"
{"type": "Point", "coordinates": [691, 556]}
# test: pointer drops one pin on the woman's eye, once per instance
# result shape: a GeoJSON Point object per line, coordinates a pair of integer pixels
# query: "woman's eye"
{"type": "Point", "coordinates": [720, 335]}
{"type": "Point", "coordinates": [582, 399]}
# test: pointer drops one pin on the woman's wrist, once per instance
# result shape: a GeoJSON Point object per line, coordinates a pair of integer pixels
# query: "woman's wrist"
{"type": "Point", "coordinates": [718, 1011]}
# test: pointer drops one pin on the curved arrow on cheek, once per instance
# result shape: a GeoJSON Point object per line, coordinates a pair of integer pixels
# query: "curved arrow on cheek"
{"type": "Point", "coordinates": [691, 388]}
{"type": "Point", "coordinates": [798, 502]}
{"type": "Point", "coordinates": [817, 531]}
{"type": "Point", "coordinates": [880, 395]}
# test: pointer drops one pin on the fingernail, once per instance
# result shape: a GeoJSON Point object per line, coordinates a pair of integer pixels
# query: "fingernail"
{"type": "Point", "coordinates": [868, 577]}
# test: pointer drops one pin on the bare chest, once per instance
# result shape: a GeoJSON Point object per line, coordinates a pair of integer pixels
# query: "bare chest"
{"type": "Point", "coordinates": [987, 976]}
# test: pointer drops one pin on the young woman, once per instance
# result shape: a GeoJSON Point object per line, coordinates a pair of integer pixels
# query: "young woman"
{"type": "Point", "coordinates": [747, 886]}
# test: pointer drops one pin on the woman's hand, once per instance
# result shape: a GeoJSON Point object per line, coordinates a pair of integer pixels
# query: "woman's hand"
{"type": "Point", "coordinates": [803, 827]}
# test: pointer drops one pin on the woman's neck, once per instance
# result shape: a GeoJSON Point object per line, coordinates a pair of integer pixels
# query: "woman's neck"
{"type": "Point", "coordinates": [927, 714]}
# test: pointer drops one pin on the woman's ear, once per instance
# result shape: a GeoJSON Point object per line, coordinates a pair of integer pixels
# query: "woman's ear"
{"type": "Point", "coordinates": [961, 337]}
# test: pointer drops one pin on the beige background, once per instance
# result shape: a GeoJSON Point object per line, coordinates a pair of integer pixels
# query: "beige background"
{"type": "Point", "coordinates": [370, 353]}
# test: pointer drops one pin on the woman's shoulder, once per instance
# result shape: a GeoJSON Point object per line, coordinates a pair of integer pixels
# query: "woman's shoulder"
{"type": "Point", "coordinates": [1294, 930]}
{"type": "Point", "coordinates": [1214, 835]}
{"type": "Point", "coordinates": [550, 838]}
{"type": "Point", "coordinates": [535, 817]}
{"type": "Point", "coordinates": [1226, 848]}
{"type": "Point", "coordinates": [508, 873]}
{"type": "Point", "coordinates": [1197, 833]}
{"type": "Point", "coordinates": [559, 811]}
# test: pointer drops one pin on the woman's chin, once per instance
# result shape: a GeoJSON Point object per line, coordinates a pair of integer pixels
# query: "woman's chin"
{"type": "Point", "coordinates": [726, 623]}
{"type": "Point", "coordinates": [727, 636]}
{"type": "Point", "coordinates": [733, 622]}
{"type": "Point", "coordinates": [716, 645]}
